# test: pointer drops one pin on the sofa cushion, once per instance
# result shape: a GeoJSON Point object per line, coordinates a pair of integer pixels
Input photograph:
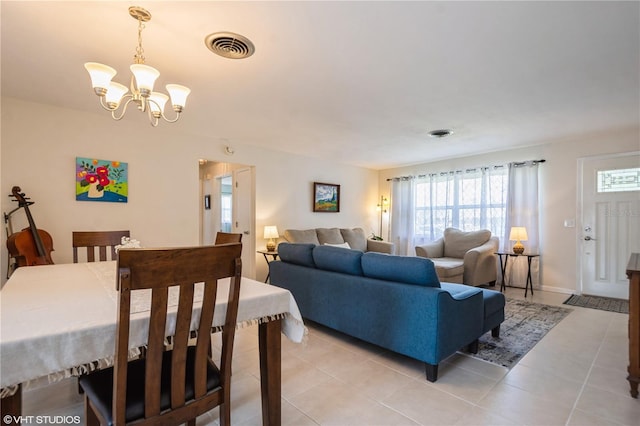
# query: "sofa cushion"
{"type": "Point", "coordinates": [299, 254]}
{"type": "Point", "coordinates": [457, 242]}
{"type": "Point", "coordinates": [303, 236]}
{"type": "Point", "coordinates": [355, 237]}
{"type": "Point", "coordinates": [329, 236]}
{"type": "Point", "coordinates": [404, 269]}
{"type": "Point", "coordinates": [338, 259]}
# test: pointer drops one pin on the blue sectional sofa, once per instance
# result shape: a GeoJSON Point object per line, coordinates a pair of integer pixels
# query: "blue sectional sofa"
{"type": "Point", "coordinates": [396, 302]}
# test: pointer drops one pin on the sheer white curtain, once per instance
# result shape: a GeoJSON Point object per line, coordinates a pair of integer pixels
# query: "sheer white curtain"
{"type": "Point", "coordinates": [467, 200]}
{"type": "Point", "coordinates": [523, 210]}
{"type": "Point", "coordinates": [403, 215]}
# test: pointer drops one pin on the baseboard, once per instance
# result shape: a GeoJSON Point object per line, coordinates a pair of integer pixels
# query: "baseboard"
{"type": "Point", "coordinates": [557, 289]}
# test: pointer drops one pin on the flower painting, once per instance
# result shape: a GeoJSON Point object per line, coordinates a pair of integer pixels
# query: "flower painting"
{"type": "Point", "coordinates": [101, 180]}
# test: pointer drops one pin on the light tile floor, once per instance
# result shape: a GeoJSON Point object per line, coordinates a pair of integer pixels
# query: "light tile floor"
{"type": "Point", "coordinates": [576, 375]}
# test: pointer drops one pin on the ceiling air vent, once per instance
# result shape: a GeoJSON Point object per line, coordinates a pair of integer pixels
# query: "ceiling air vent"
{"type": "Point", "coordinates": [230, 45]}
{"type": "Point", "coordinates": [440, 133]}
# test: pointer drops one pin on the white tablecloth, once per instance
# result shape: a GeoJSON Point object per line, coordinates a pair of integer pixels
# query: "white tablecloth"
{"type": "Point", "coordinates": [58, 319]}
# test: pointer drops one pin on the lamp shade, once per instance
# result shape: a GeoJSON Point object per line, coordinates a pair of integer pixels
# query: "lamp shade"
{"type": "Point", "coordinates": [270, 232]}
{"type": "Point", "coordinates": [518, 233]}
{"type": "Point", "coordinates": [115, 93]}
{"type": "Point", "coordinates": [178, 94]}
{"type": "Point", "coordinates": [145, 76]}
{"type": "Point", "coordinates": [100, 74]}
{"type": "Point", "coordinates": [157, 102]}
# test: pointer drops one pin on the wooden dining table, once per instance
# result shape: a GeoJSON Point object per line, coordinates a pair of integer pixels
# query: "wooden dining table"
{"type": "Point", "coordinates": [58, 321]}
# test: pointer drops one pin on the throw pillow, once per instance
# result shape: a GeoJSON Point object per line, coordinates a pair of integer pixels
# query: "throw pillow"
{"type": "Point", "coordinates": [343, 245]}
{"type": "Point", "coordinates": [457, 242]}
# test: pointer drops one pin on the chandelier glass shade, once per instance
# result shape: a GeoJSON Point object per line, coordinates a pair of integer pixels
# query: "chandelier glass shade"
{"type": "Point", "coordinates": [114, 95]}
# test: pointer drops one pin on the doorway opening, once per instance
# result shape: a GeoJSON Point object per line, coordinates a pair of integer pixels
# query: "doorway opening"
{"type": "Point", "coordinates": [227, 191]}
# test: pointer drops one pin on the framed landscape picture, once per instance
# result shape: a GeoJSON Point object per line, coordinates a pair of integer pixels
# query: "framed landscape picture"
{"type": "Point", "coordinates": [326, 197]}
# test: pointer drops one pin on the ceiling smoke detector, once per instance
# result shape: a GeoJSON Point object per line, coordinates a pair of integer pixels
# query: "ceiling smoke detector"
{"type": "Point", "coordinates": [230, 45]}
{"type": "Point", "coordinates": [440, 133]}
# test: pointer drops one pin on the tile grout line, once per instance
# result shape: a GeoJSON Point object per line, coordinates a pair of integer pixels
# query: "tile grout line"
{"type": "Point", "coordinates": [586, 379]}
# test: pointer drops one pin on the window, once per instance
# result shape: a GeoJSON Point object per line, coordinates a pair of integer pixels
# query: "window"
{"type": "Point", "coordinates": [467, 200]}
{"type": "Point", "coordinates": [618, 180]}
{"type": "Point", "coordinates": [226, 199]}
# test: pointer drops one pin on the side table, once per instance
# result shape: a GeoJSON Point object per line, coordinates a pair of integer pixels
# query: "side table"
{"type": "Point", "coordinates": [503, 267]}
{"type": "Point", "coordinates": [266, 254]}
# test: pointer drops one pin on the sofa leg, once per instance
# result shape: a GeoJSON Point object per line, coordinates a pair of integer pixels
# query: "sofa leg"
{"type": "Point", "coordinates": [473, 347]}
{"type": "Point", "coordinates": [495, 332]}
{"type": "Point", "coordinates": [432, 372]}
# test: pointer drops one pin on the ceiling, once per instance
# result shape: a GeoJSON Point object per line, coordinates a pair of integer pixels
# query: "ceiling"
{"type": "Point", "coordinates": [361, 83]}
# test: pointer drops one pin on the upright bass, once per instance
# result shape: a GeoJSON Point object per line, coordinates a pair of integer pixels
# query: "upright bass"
{"type": "Point", "coordinates": [31, 246]}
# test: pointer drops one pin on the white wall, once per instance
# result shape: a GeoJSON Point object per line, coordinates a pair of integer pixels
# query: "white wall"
{"type": "Point", "coordinates": [40, 144]}
{"type": "Point", "coordinates": [558, 193]}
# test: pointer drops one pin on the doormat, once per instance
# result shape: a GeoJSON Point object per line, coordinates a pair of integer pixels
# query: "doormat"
{"type": "Point", "coordinates": [596, 302]}
{"type": "Point", "coordinates": [524, 325]}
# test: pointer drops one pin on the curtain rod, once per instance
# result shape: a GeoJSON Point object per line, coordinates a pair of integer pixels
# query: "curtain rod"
{"type": "Point", "coordinates": [473, 169]}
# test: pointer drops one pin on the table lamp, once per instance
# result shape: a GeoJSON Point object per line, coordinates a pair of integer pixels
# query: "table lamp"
{"type": "Point", "coordinates": [271, 232]}
{"type": "Point", "coordinates": [518, 234]}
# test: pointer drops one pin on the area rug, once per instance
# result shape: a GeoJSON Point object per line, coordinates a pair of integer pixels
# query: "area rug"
{"type": "Point", "coordinates": [524, 325]}
{"type": "Point", "coordinates": [597, 302]}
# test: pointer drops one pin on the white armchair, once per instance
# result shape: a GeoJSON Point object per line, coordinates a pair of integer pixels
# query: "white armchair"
{"type": "Point", "coordinates": [464, 257]}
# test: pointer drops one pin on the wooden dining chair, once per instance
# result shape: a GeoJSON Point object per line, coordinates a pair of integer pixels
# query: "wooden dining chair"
{"type": "Point", "coordinates": [227, 237]}
{"type": "Point", "coordinates": [102, 239]}
{"type": "Point", "coordinates": [169, 386]}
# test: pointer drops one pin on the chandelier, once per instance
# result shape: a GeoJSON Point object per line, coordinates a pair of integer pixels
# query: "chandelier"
{"type": "Point", "coordinates": [115, 95]}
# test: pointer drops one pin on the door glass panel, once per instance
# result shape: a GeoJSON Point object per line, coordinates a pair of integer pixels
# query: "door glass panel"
{"type": "Point", "coordinates": [619, 180]}
{"type": "Point", "coordinates": [226, 198]}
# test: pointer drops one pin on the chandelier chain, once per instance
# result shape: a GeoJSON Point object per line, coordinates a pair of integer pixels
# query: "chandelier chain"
{"type": "Point", "coordinates": [139, 56]}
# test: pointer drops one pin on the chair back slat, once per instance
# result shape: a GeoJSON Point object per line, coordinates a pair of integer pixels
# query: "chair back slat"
{"type": "Point", "coordinates": [160, 269]}
{"type": "Point", "coordinates": [155, 349]}
{"type": "Point", "coordinates": [103, 240]}
{"type": "Point", "coordinates": [180, 343]}
{"type": "Point", "coordinates": [229, 329]}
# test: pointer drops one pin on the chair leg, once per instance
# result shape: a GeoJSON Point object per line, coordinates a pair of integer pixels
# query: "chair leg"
{"type": "Point", "coordinates": [495, 332]}
{"type": "Point", "coordinates": [432, 372]}
{"type": "Point", "coordinates": [90, 416]}
{"type": "Point", "coordinates": [225, 414]}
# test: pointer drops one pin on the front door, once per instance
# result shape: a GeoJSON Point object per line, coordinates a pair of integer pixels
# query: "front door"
{"type": "Point", "coordinates": [610, 223]}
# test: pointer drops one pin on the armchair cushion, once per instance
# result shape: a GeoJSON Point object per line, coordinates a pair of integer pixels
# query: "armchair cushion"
{"type": "Point", "coordinates": [457, 243]}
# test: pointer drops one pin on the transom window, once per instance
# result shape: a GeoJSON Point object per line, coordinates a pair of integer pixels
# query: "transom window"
{"type": "Point", "coordinates": [618, 180]}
